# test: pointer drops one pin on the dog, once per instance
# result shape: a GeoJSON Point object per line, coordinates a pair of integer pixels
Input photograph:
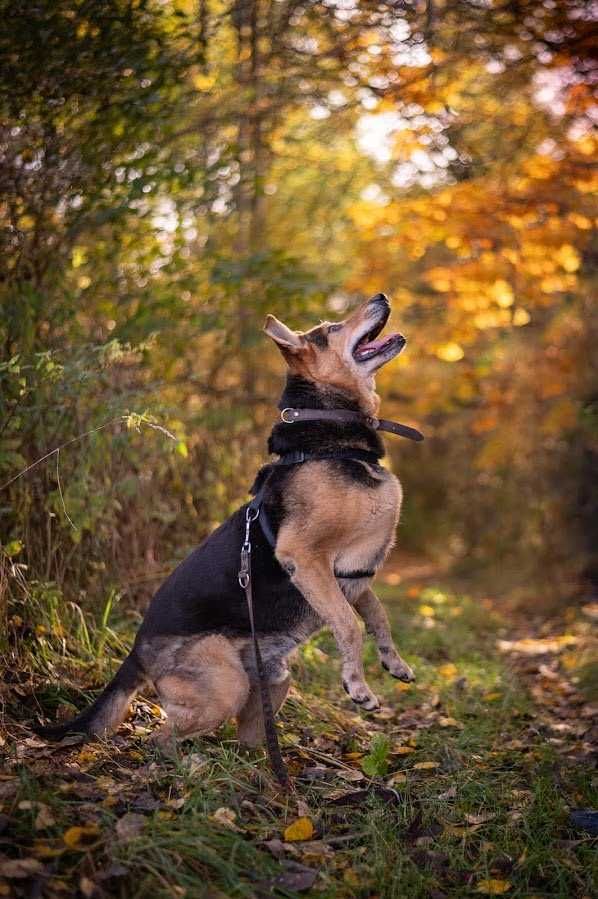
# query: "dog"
{"type": "Point", "coordinates": [332, 522]}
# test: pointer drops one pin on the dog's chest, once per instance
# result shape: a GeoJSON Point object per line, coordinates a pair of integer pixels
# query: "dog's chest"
{"type": "Point", "coordinates": [373, 521]}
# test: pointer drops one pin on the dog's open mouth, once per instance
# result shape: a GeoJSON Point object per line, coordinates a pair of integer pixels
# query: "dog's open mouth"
{"type": "Point", "coordinates": [370, 345]}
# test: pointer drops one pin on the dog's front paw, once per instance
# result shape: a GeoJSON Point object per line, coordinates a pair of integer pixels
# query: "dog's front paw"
{"type": "Point", "coordinates": [398, 668]}
{"type": "Point", "coordinates": [362, 695]}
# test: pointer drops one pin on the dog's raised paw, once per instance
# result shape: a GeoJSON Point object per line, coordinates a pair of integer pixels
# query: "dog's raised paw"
{"type": "Point", "coordinates": [399, 669]}
{"type": "Point", "coordinates": [363, 697]}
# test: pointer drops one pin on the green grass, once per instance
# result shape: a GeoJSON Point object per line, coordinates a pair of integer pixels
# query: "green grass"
{"type": "Point", "coordinates": [488, 811]}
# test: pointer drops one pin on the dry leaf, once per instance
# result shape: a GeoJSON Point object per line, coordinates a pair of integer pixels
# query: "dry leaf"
{"type": "Point", "coordinates": [482, 818]}
{"type": "Point", "coordinates": [81, 837]}
{"type": "Point", "coordinates": [87, 887]}
{"type": "Point", "coordinates": [226, 817]}
{"type": "Point", "coordinates": [299, 830]}
{"type": "Point", "coordinates": [426, 766]}
{"type": "Point", "coordinates": [451, 793]}
{"type": "Point", "coordinates": [20, 867]}
{"type": "Point", "coordinates": [302, 809]}
{"type": "Point", "coordinates": [398, 778]}
{"type": "Point", "coordinates": [130, 826]}
{"type": "Point", "coordinates": [493, 887]}
{"type": "Point", "coordinates": [449, 722]}
{"type": "Point", "coordinates": [403, 750]}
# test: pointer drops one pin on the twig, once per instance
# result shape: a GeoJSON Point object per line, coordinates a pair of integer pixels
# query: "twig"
{"type": "Point", "coordinates": [68, 517]}
{"type": "Point", "coordinates": [140, 419]}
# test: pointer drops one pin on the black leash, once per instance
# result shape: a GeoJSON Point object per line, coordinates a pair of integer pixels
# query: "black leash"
{"type": "Point", "coordinates": [252, 513]}
{"type": "Point", "coordinates": [276, 760]}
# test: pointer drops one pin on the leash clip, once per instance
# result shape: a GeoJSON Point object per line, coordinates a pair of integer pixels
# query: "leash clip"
{"type": "Point", "coordinates": [244, 571]}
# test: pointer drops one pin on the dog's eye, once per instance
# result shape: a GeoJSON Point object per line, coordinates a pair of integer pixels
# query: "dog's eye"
{"type": "Point", "coordinates": [334, 328]}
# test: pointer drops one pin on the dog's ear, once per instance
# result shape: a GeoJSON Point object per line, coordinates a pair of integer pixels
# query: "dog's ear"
{"type": "Point", "coordinates": [287, 340]}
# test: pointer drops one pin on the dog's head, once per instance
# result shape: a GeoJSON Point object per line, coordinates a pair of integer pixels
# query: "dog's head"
{"type": "Point", "coordinates": [344, 355]}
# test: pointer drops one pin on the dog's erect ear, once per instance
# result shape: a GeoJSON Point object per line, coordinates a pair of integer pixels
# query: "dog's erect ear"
{"type": "Point", "coordinates": [285, 338]}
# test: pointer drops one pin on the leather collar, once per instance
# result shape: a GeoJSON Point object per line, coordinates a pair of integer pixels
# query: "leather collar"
{"type": "Point", "coordinates": [290, 416]}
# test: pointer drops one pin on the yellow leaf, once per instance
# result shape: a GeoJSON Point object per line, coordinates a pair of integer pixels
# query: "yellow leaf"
{"type": "Point", "coordinates": [493, 887]}
{"type": "Point", "coordinates": [426, 766]}
{"type": "Point", "coordinates": [492, 697]}
{"type": "Point", "coordinates": [449, 722]}
{"type": "Point", "coordinates": [301, 829]}
{"type": "Point", "coordinates": [447, 671]}
{"type": "Point", "coordinates": [81, 837]}
{"type": "Point", "coordinates": [427, 611]}
{"type": "Point", "coordinates": [398, 778]}
{"type": "Point", "coordinates": [450, 352]}
{"type": "Point", "coordinates": [403, 750]}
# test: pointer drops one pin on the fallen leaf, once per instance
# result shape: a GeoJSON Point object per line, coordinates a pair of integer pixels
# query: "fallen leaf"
{"type": "Point", "coordinates": [130, 826]}
{"type": "Point", "coordinates": [426, 766]}
{"type": "Point", "coordinates": [451, 793]}
{"type": "Point", "coordinates": [482, 818]}
{"type": "Point", "coordinates": [20, 867]}
{"type": "Point", "coordinates": [87, 887]}
{"type": "Point", "coordinates": [294, 879]}
{"type": "Point", "coordinates": [226, 817]}
{"type": "Point", "coordinates": [448, 670]}
{"type": "Point", "coordinates": [302, 809]}
{"type": "Point", "coordinates": [82, 837]}
{"type": "Point", "coordinates": [449, 722]}
{"type": "Point", "coordinates": [351, 775]}
{"type": "Point", "coordinates": [398, 778]}
{"type": "Point", "coordinates": [301, 829]}
{"type": "Point", "coordinates": [493, 887]}
{"type": "Point", "coordinates": [403, 750]}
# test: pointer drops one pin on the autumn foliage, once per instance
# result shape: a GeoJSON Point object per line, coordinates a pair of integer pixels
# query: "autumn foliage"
{"type": "Point", "coordinates": [171, 172]}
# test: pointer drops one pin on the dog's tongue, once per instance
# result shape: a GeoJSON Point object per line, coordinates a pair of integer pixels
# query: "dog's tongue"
{"type": "Point", "coordinates": [375, 345]}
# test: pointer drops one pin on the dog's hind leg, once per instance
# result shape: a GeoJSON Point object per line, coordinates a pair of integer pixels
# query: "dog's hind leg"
{"type": "Point", "coordinates": [374, 614]}
{"type": "Point", "coordinates": [204, 685]}
{"type": "Point", "coordinates": [250, 724]}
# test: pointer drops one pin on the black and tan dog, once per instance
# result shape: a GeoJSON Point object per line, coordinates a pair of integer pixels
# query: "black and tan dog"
{"type": "Point", "coordinates": [333, 522]}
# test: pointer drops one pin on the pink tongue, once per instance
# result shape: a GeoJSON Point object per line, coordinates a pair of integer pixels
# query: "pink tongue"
{"type": "Point", "coordinates": [375, 344]}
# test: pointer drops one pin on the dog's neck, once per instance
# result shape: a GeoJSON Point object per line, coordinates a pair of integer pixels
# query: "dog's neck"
{"type": "Point", "coordinates": [299, 393]}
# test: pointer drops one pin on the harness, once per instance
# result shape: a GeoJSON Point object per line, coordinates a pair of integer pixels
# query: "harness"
{"type": "Point", "coordinates": [255, 510]}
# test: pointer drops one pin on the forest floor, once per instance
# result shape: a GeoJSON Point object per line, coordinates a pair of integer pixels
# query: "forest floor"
{"type": "Point", "coordinates": [475, 780]}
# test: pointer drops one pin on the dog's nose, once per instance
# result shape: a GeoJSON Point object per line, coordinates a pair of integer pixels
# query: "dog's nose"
{"type": "Point", "coordinates": [380, 299]}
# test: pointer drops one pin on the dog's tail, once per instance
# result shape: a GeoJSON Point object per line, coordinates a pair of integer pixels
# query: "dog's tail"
{"type": "Point", "coordinates": [109, 709]}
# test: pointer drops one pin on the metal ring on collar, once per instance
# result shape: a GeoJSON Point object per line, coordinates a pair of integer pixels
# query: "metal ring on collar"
{"type": "Point", "coordinates": [292, 412]}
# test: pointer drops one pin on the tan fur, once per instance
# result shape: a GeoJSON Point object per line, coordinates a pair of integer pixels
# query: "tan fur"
{"type": "Point", "coordinates": [329, 524]}
{"type": "Point", "coordinates": [201, 683]}
{"type": "Point", "coordinates": [335, 367]}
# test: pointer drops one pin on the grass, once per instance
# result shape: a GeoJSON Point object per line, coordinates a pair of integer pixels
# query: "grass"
{"type": "Point", "coordinates": [484, 775]}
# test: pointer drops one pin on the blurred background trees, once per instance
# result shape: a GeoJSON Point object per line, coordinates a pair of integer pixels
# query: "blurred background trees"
{"type": "Point", "coordinates": [172, 171]}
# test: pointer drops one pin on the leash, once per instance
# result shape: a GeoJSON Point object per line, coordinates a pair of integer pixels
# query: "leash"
{"type": "Point", "coordinates": [276, 760]}
{"type": "Point", "coordinates": [252, 513]}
